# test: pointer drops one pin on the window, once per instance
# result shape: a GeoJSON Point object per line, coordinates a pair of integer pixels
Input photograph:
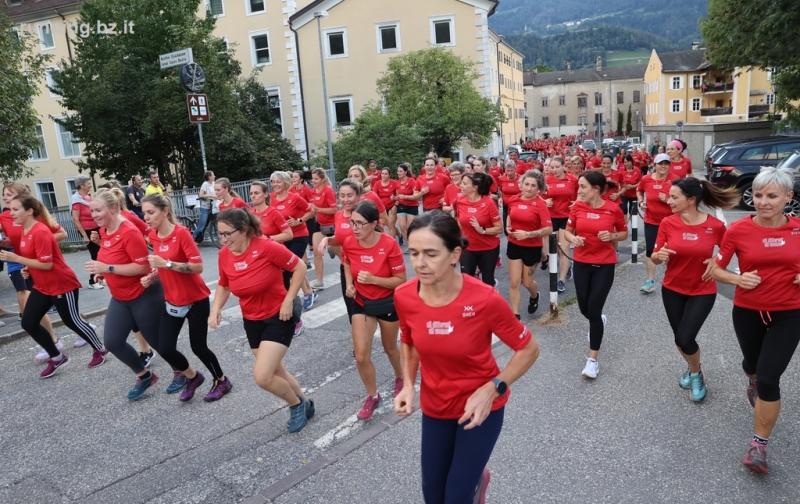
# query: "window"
{"type": "Point", "coordinates": [46, 193]}
{"type": "Point", "coordinates": [562, 120]}
{"type": "Point", "coordinates": [388, 37]}
{"type": "Point", "coordinates": [46, 36]}
{"type": "Point", "coordinates": [515, 114]}
{"type": "Point", "coordinates": [255, 6]}
{"type": "Point", "coordinates": [676, 106]}
{"type": "Point", "coordinates": [545, 122]}
{"type": "Point", "coordinates": [562, 101]}
{"type": "Point", "coordinates": [39, 153]}
{"type": "Point", "coordinates": [785, 150]}
{"type": "Point", "coordinates": [50, 82]}
{"type": "Point", "coordinates": [66, 142]}
{"type": "Point", "coordinates": [620, 97]}
{"type": "Point", "coordinates": [769, 99]}
{"type": "Point", "coordinates": [526, 122]}
{"type": "Point", "coordinates": [342, 111]}
{"type": "Point", "coordinates": [215, 7]}
{"type": "Point", "coordinates": [754, 154]}
{"type": "Point", "coordinates": [71, 187]}
{"type": "Point", "coordinates": [336, 43]}
{"type": "Point", "coordinates": [598, 99]}
{"type": "Point", "coordinates": [443, 31]}
{"type": "Point", "coordinates": [676, 83]}
{"type": "Point", "coordinates": [274, 93]}
{"type": "Point", "coordinates": [259, 48]}
{"type": "Point", "coordinates": [545, 102]}
{"type": "Point", "coordinates": [636, 97]}
{"type": "Point", "coordinates": [598, 118]}
{"type": "Point", "coordinates": [695, 104]}
{"type": "Point", "coordinates": [697, 81]}
{"type": "Point", "coordinates": [582, 120]}
{"type": "Point", "coordinates": [582, 101]}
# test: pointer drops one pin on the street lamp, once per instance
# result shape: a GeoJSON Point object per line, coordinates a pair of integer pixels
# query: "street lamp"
{"type": "Point", "coordinates": [597, 96]}
{"type": "Point", "coordinates": [319, 15]}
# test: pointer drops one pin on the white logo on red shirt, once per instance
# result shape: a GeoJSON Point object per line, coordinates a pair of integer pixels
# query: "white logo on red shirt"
{"type": "Point", "coordinates": [107, 243]}
{"type": "Point", "coordinates": [561, 185]}
{"type": "Point", "coordinates": [590, 215]}
{"type": "Point", "coordinates": [796, 231]}
{"type": "Point", "coordinates": [523, 207]}
{"type": "Point", "coordinates": [773, 242]}
{"type": "Point", "coordinates": [709, 230]}
{"type": "Point", "coordinates": [163, 248]}
{"type": "Point", "coordinates": [469, 311]}
{"type": "Point", "coordinates": [472, 210]}
{"type": "Point", "coordinates": [367, 259]}
{"type": "Point", "coordinates": [437, 327]}
{"type": "Point", "coordinates": [240, 266]}
{"type": "Point", "coordinates": [689, 237]}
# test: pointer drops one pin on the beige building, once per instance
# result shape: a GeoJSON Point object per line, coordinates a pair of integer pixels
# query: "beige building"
{"type": "Point", "coordinates": [507, 90]}
{"type": "Point", "coordinates": [571, 102]}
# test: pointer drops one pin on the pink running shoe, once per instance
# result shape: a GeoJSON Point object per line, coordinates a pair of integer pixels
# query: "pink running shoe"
{"type": "Point", "coordinates": [398, 385]}
{"type": "Point", "coordinates": [98, 358]}
{"type": "Point", "coordinates": [370, 405]}
{"type": "Point", "coordinates": [53, 366]}
{"type": "Point", "coordinates": [483, 484]}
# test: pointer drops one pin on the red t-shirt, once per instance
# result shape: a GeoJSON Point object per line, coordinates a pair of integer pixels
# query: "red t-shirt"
{"type": "Point", "coordinates": [384, 260]}
{"type": "Point", "coordinates": [774, 253]}
{"type": "Point", "coordinates": [657, 210]}
{"type": "Point", "coordinates": [616, 177]}
{"type": "Point", "coordinates": [407, 189]}
{"type": "Point", "coordinates": [508, 187]}
{"type": "Point", "coordinates": [180, 289]}
{"type": "Point", "coordinates": [324, 199]}
{"type": "Point", "coordinates": [85, 214]}
{"type": "Point", "coordinates": [342, 229]}
{"type": "Point", "coordinates": [235, 203]}
{"type": "Point", "coordinates": [594, 162]}
{"type": "Point", "coordinates": [451, 194]}
{"type": "Point", "coordinates": [496, 171]}
{"type": "Point", "coordinates": [40, 244]}
{"type": "Point", "coordinates": [681, 168]}
{"type": "Point", "coordinates": [632, 177]}
{"type": "Point", "coordinates": [125, 246]}
{"type": "Point", "coordinates": [136, 221]}
{"type": "Point", "coordinates": [527, 215]}
{"type": "Point", "coordinates": [523, 166]}
{"type": "Point", "coordinates": [488, 216]}
{"type": "Point", "coordinates": [272, 222]}
{"type": "Point", "coordinates": [13, 231]}
{"type": "Point", "coordinates": [304, 191]}
{"type": "Point", "coordinates": [563, 192]}
{"type": "Point", "coordinates": [255, 276]}
{"type": "Point", "coordinates": [587, 222]}
{"type": "Point", "coordinates": [293, 205]}
{"type": "Point", "coordinates": [454, 343]}
{"type": "Point", "coordinates": [692, 246]}
{"type": "Point", "coordinates": [385, 192]}
{"type": "Point", "coordinates": [436, 186]}
{"type": "Point", "coordinates": [370, 195]}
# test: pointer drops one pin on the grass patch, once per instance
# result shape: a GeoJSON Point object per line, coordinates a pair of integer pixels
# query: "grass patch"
{"type": "Point", "coordinates": [547, 320]}
{"type": "Point", "coordinates": [67, 248]}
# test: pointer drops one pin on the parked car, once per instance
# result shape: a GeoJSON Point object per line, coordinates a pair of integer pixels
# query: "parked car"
{"type": "Point", "coordinates": [792, 162]}
{"type": "Point", "coordinates": [589, 144]}
{"type": "Point", "coordinates": [737, 163]}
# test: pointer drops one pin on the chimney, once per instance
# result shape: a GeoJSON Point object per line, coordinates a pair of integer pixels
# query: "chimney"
{"type": "Point", "coordinates": [695, 45]}
{"type": "Point", "coordinates": [599, 64]}
{"type": "Point", "coordinates": [569, 66]}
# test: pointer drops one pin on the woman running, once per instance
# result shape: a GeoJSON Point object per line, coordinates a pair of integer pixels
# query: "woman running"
{"type": "Point", "coordinates": [453, 190]}
{"type": "Point", "coordinates": [273, 225]}
{"type": "Point", "coordinates": [55, 284]}
{"type": "Point", "coordinates": [430, 186]}
{"type": "Point", "coordinates": [562, 191]}
{"type": "Point", "coordinates": [250, 268]}
{"type": "Point", "coordinates": [386, 189]}
{"type": "Point", "coordinates": [373, 269]}
{"type": "Point", "coordinates": [324, 204]}
{"type": "Point", "coordinates": [629, 183]}
{"type": "Point", "coordinates": [227, 198]}
{"type": "Point", "coordinates": [407, 204]}
{"type": "Point", "coordinates": [358, 174]}
{"type": "Point", "coordinates": [679, 165]}
{"type": "Point", "coordinates": [766, 304]}
{"type": "Point", "coordinates": [447, 320]}
{"type": "Point", "coordinates": [83, 221]}
{"type": "Point", "coordinates": [686, 242]}
{"type": "Point", "coordinates": [179, 265]}
{"type": "Point", "coordinates": [653, 194]}
{"type": "Point", "coordinates": [509, 184]}
{"type": "Point", "coordinates": [527, 222]}
{"type": "Point", "coordinates": [481, 224]}
{"type": "Point", "coordinates": [594, 224]}
{"type": "Point", "coordinates": [613, 176]}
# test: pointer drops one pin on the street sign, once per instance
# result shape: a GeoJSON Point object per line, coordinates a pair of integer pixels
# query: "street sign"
{"type": "Point", "coordinates": [679, 126]}
{"type": "Point", "coordinates": [176, 58]}
{"type": "Point", "coordinates": [192, 77]}
{"type": "Point", "coordinates": [198, 108]}
{"type": "Point", "coordinates": [601, 124]}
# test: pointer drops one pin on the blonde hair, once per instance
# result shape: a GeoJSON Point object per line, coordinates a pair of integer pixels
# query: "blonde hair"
{"type": "Point", "coordinates": [284, 177]}
{"type": "Point", "coordinates": [18, 187]}
{"type": "Point", "coordinates": [108, 199]}
{"type": "Point", "coordinates": [360, 169]}
{"type": "Point", "coordinates": [226, 184]}
{"type": "Point", "coordinates": [162, 203]}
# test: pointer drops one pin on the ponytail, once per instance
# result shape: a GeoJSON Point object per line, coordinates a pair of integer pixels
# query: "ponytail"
{"type": "Point", "coordinates": [706, 193]}
{"type": "Point", "coordinates": [39, 210]}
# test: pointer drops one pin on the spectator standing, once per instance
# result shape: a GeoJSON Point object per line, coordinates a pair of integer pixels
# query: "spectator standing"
{"type": "Point", "coordinates": [133, 196]}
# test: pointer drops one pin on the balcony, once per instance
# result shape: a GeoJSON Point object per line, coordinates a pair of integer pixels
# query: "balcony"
{"type": "Point", "coordinates": [716, 111]}
{"type": "Point", "coordinates": [716, 87]}
{"type": "Point", "coordinates": [757, 110]}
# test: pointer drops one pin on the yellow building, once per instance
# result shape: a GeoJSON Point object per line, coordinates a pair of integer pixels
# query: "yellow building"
{"type": "Point", "coordinates": [507, 89]}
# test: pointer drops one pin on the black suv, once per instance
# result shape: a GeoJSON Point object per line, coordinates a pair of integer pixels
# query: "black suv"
{"type": "Point", "coordinates": [792, 162]}
{"type": "Point", "coordinates": [736, 164]}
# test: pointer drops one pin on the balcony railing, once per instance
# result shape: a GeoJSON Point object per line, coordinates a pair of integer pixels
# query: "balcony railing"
{"type": "Point", "coordinates": [755, 110]}
{"type": "Point", "coordinates": [716, 87]}
{"type": "Point", "coordinates": [716, 111]}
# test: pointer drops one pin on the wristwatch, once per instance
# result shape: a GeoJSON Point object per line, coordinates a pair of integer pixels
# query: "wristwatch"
{"type": "Point", "coordinates": [111, 269]}
{"type": "Point", "coordinates": [300, 220]}
{"type": "Point", "coordinates": [169, 265]}
{"type": "Point", "coordinates": [500, 386]}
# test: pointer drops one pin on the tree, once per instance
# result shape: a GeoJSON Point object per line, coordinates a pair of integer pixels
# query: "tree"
{"type": "Point", "coordinates": [742, 33]}
{"type": "Point", "coordinates": [433, 91]}
{"type": "Point", "coordinates": [132, 116]}
{"type": "Point", "coordinates": [20, 72]}
{"type": "Point", "coordinates": [628, 125]}
{"type": "Point", "coordinates": [541, 68]}
{"type": "Point", "coordinates": [619, 122]}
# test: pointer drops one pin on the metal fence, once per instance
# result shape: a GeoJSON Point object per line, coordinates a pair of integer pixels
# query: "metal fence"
{"type": "Point", "coordinates": [179, 201]}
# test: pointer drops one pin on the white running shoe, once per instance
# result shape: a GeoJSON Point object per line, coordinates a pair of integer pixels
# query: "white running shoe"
{"type": "Point", "coordinates": [79, 342]}
{"type": "Point", "coordinates": [589, 334]}
{"type": "Point", "coordinates": [317, 284]}
{"type": "Point", "coordinates": [96, 286]}
{"type": "Point", "coordinates": [43, 356]}
{"type": "Point", "coordinates": [591, 369]}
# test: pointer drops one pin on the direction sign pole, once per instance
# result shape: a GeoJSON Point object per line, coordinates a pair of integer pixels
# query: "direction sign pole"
{"type": "Point", "coordinates": [202, 146]}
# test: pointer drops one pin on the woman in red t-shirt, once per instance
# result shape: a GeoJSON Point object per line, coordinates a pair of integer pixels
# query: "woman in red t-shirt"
{"type": "Point", "coordinates": [55, 284]}
{"type": "Point", "coordinates": [653, 195]}
{"type": "Point", "coordinates": [686, 242]}
{"type": "Point", "coordinates": [766, 304]}
{"type": "Point", "coordinates": [576, 166]}
{"type": "Point", "coordinates": [273, 225]}
{"type": "Point", "coordinates": [562, 191]}
{"type": "Point", "coordinates": [324, 204]}
{"type": "Point", "coordinates": [227, 198]}
{"type": "Point", "coordinates": [594, 224]}
{"type": "Point", "coordinates": [447, 320]}
{"type": "Point", "coordinates": [680, 165]}
{"type": "Point", "coordinates": [407, 205]}
{"type": "Point", "coordinates": [358, 174]}
{"type": "Point", "coordinates": [630, 177]}
{"type": "Point", "coordinates": [299, 185]}
{"type": "Point", "coordinates": [527, 222]}
{"type": "Point", "coordinates": [453, 190]}
{"type": "Point", "coordinates": [178, 265]}
{"type": "Point", "coordinates": [481, 224]}
{"type": "Point", "coordinates": [509, 185]}
{"type": "Point", "coordinates": [386, 189]}
{"type": "Point", "coordinates": [613, 176]}
{"type": "Point", "coordinates": [430, 186]}
{"type": "Point", "coordinates": [373, 268]}
{"type": "Point", "coordinates": [250, 268]}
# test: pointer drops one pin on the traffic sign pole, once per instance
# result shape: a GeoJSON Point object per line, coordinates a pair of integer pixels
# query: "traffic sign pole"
{"type": "Point", "coordinates": [202, 146]}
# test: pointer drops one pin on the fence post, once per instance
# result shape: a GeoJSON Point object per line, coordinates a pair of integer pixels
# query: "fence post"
{"type": "Point", "coordinates": [553, 275]}
{"type": "Point", "coordinates": [634, 211]}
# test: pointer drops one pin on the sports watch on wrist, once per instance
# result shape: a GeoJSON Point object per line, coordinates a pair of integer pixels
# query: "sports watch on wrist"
{"type": "Point", "coordinates": [111, 269]}
{"type": "Point", "coordinates": [500, 386]}
{"type": "Point", "coordinates": [169, 264]}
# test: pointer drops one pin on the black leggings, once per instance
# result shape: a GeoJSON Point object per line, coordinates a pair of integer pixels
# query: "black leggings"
{"type": "Point", "coordinates": [93, 249]}
{"type": "Point", "coordinates": [486, 260]}
{"type": "Point", "coordinates": [768, 340]}
{"type": "Point", "coordinates": [686, 316]}
{"type": "Point", "coordinates": [298, 247]}
{"type": "Point", "coordinates": [349, 302]}
{"type": "Point", "coordinates": [67, 306]}
{"type": "Point", "coordinates": [592, 284]}
{"type": "Point", "coordinates": [169, 329]}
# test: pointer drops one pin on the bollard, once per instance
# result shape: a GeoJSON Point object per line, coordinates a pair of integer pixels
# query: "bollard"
{"type": "Point", "coordinates": [634, 211]}
{"type": "Point", "coordinates": [553, 275]}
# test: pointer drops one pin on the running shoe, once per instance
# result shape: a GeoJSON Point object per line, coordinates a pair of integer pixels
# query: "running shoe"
{"type": "Point", "coordinates": [191, 386]}
{"type": "Point", "coordinates": [591, 369]}
{"type": "Point", "coordinates": [752, 393]}
{"type": "Point", "coordinates": [370, 405]}
{"type": "Point", "coordinates": [298, 328]}
{"type": "Point", "coordinates": [400, 239]}
{"type": "Point", "coordinates": [331, 254]}
{"type": "Point", "coordinates": [310, 410]}
{"type": "Point", "coordinates": [96, 286]}
{"type": "Point", "coordinates": [398, 385]}
{"type": "Point", "coordinates": [308, 265]}
{"type": "Point", "coordinates": [699, 390]}
{"type": "Point", "coordinates": [43, 356]}
{"type": "Point", "coordinates": [53, 366]}
{"type": "Point", "coordinates": [533, 304]}
{"type": "Point", "coordinates": [317, 285]}
{"type": "Point", "coordinates": [561, 286]}
{"type": "Point", "coordinates": [545, 262]}
{"type": "Point", "coordinates": [178, 382]}
{"type": "Point", "coordinates": [298, 417]}
{"type": "Point", "coordinates": [569, 271]}
{"type": "Point", "coordinates": [755, 458]}
{"type": "Point", "coordinates": [617, 252]}
{"type": "Point", "coordinates": [648, 287]}
{"type": "Point", "coordinates": [308, 300]}
{"type": "Point", "coordinates": [98, 358]}
{"type": "Point", "coordinates": [142, 384]}
{"type": "Point", "coordinates": [146, 358]}
{"type": "Point", "coordinates": [220, 388]}
{"type": "Point", "coordinates": [52, 309]}
{"type": "Point", "coordinates": [685, 381]}
{"type": "Point", "coordinates": [9, 314]}
{"type": "Point", "coordinates": [483, 484]}
{"type": "Point", "coordinates": [79, 342]}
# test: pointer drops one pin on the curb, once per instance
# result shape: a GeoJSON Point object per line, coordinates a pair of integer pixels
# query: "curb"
{"type": "Point", "coordinates": [19, 334]}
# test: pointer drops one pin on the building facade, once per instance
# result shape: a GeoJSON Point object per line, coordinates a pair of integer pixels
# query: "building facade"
{"type": "Point", "coordinates": [508, 91]}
